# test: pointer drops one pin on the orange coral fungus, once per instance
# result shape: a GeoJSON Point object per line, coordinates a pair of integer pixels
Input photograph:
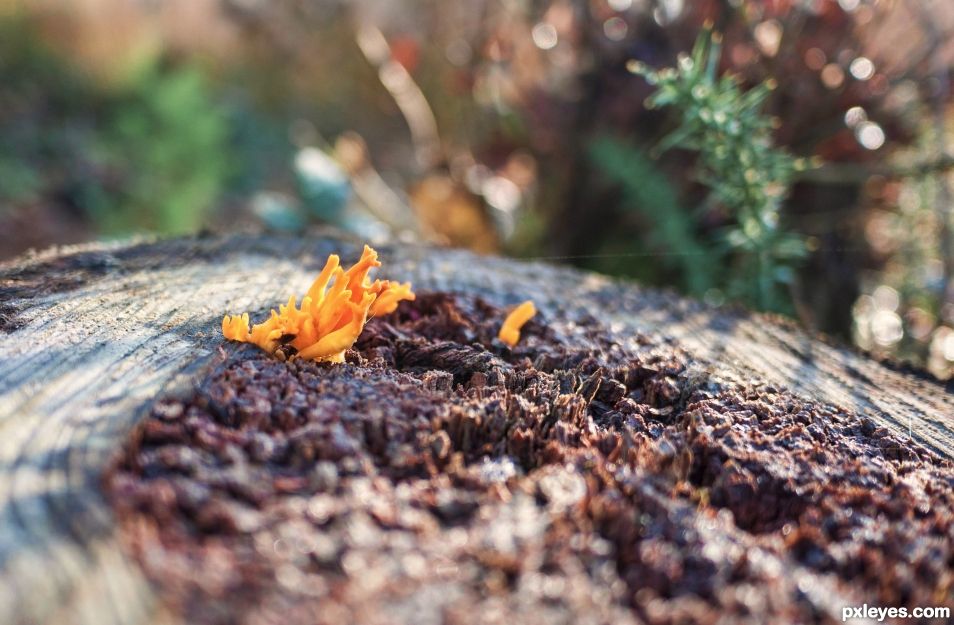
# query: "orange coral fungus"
{"type": "Point", "coordinates": [330, 318]}
{"type": "Point", "coordinates": [510, 330]}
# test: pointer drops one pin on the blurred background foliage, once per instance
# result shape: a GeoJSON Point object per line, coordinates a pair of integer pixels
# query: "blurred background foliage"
{"type": "Point", "coordinates": [798, 163]}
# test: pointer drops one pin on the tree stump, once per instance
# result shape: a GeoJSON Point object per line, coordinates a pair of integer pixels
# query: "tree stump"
{"type": "Point", "coordinates": [90, 336]}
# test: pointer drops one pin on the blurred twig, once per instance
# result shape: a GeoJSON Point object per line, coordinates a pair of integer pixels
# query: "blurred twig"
{"type": "Point", "coordinates": [406, 93]}
{"type": "Point", "coordinates": [853, 173]}
{"type": "Point", "coordinates": [383, 202]}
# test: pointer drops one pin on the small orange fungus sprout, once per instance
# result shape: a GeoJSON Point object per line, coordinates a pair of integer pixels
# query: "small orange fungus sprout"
{"type": "Point", "coordinates": [510, 330]}
{"type": "Point", "coordinates": [330, 318]}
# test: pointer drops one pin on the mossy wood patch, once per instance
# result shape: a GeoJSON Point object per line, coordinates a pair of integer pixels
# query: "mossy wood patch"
{"type": "Point", "coordinates": [91, 336]}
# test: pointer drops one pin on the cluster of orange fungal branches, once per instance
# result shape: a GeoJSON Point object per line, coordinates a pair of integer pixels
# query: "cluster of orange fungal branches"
{"type": "Point", "coordinates": [331, 315]}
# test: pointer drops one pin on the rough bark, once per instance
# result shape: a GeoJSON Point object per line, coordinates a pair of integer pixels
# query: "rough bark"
{"type": "Point", "coordinates": [90, 336]}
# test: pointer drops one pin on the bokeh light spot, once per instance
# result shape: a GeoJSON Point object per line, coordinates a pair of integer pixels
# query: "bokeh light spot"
{"type": "Point", "coordinates": [544, 36]}
{"type": "Point", "coordinates": [815, 59]}
{"type": "Point", "coordinates": [615, 29]}
{"type": "Point", "coordinates": [501, 193]}
{"type": "Point", "coordinates": [832, 76]}
{"type": "Point", "coordinates": [667, 11]}
{"type": "Point", "coordinates": [869, 135]}
{"type": "Point", "coordinates": [768, 35]}
{"type": "Point", "coordinates": [886, 328]}
{"type": "Point", "coordinates": [886, 297]}
{"type": "Point", "coordinates": [862, 68]}
{"type": "Point", "coordinates": [855, 115]}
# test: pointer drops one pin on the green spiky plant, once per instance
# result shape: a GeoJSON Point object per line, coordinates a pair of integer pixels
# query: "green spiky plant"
{"type": "Point", "coordinates": [152, 151]}
{"type": "Point", "coordinates": [746, 175]}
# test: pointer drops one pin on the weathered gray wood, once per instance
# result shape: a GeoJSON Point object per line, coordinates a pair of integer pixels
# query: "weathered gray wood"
{"type": "Point", "coordinates": [94, 333]}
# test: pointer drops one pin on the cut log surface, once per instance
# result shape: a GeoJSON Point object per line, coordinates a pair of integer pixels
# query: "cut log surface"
{"type": "Point", "coordinates": [90, 336]}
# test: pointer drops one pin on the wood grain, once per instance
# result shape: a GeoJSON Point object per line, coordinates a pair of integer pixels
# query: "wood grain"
{"type": "Point", "coordinates": [89, 336]}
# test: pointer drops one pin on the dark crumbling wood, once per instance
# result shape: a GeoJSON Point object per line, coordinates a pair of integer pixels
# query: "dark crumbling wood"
{"type": "Point", "coordinates": [90, 336]}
